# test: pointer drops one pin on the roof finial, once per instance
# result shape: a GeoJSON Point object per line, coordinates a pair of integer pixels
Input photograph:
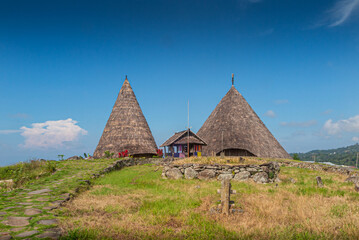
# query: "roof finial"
{"type": "Point", "coordinates": [232, 79]}
{"type": "Point", "coordinates": [126, 77]}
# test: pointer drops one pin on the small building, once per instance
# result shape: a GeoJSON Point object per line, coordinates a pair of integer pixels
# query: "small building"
{"type": "Point", "coordinates": [177, 145]}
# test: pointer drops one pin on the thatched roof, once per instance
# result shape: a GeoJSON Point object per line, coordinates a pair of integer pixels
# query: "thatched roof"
{"type": "Point", "coordinates": [182, 138]}
{"type": "Point", "coordinates": [126, 128]}
{"type": "Point", "coordinates": [241, 129]}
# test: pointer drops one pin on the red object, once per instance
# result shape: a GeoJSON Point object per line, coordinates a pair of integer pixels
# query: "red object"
{"type": "Point", "coordinates": [123, 154]}
{"type": "Point", "coordinates": [159, 152]}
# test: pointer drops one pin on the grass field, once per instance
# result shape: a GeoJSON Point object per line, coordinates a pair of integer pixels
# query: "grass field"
{"type": "Point", "coordinates": [136, 203]}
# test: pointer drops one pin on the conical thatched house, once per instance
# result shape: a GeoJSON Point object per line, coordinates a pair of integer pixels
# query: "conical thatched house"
{"type": "Point", "coordinates": [127, 128]}
{"type": "Point", "coordinates": [235, 129]}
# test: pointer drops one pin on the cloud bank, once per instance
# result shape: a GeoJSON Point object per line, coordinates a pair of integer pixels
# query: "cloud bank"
{"type": "Point", "coordinates": [51, 134]}
{"type": "Point", "coordinates": [342, 126]}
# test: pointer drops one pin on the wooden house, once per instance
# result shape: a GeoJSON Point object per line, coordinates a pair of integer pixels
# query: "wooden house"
{"type": "Point", "coordinates": [183, 144]}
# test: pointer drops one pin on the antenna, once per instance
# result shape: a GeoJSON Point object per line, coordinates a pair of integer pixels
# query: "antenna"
{"type": "Point", "coordinates": [188, 132]}
{"type": "Point", "coordinates": [232, 79]}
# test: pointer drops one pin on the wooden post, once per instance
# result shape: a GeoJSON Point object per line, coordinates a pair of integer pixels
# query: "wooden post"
{"type": "Point", "coordinates": [320, 182]}
{"type": "Point", "coordinates": [225, 196]}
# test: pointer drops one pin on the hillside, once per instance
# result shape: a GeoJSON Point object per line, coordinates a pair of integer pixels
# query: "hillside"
{"type": "Point", "coordinates": [339, 156]}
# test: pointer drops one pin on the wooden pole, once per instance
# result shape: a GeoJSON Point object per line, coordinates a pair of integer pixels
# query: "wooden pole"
{"type": "Point", "coordinates": [225, 196]}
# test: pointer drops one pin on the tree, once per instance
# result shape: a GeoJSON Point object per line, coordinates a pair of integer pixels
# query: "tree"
{"type": "Point", "coordinates": [295, 156]}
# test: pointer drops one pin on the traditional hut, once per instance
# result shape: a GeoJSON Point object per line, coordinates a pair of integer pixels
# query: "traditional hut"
{"type": "Point", "coordinates": [234, 129]}
{"type": "Point", "coordinates": [126, 128]}
{"type": "Point", "coordinates": [177, 145]}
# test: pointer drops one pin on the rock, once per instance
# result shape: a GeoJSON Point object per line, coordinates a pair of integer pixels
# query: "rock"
{"type": "Point", "coordinates": [242, 176]}
{"type": "Point", "coordinates": [261, 177]}
{"type": "Point", "coordinates": [206, 174]}
{"type": "Point", "coordinates": [49, 207]}
{"type": "Point", "coordinates": [27, 234]}
{"type": "Point", "coordinates": [190, 173]}
{"type": "Point", "coordinates": [5, 236]}
{"type": "Point", "coordinates": [32, 211]}
{"type": "Point", "coordinates": [41, 199]}
{"type": "Point", "coordinates": [2, 213]}
{"type": "Point", "coordinates": [25, 204]}
{"type": "Point", "coordinates": [277, 180]}
{"type": "Point", "coordinates": [275, 166]}
{"type": "Point", "coordinates": [225, 176]}
{"type": "Point", "coordinates": [16, 229]}
{"type": "Point", "coordinates": [53, 233]}
{"type": "Point", "coordinates": [252, 170]}
{"type": "Point", "coordinates": [356, 187]}
{"type": "Point", "coordinates": [319, 182]}
{"type": "Point", "coordinates": [17, 221]}
{"type": "Point", "coordinates": [174, 173]}
{"type": "Point", "coordinates": [353, 179]}
{"type": "Point", "coordinates": [265, 169]}
{"type": "Point", "coordinates": [39, 191]}
{"type": "Point", "coordinates": [48, 222]}
{"type": "Point", "coordinates": [292, 180]}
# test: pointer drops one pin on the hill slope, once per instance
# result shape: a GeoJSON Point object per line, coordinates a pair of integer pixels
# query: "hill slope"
{"type": "Point", "coordinates": [340, 156]}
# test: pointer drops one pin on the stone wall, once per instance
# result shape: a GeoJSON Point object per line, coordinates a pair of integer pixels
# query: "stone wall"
{"type": "Point", "coordinates": [319, 167]}
{"type": "Point", "coordinates": [264, 173]}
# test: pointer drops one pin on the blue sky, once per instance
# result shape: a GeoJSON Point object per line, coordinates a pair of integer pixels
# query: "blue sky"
{"type": "Point", "coordinates": [62, 64]}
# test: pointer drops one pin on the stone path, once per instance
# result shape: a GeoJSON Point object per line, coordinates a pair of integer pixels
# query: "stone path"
{"type": "Point", "coordinates": [29, 213]}
{"type": "Point", "coordinates": [24, 218]}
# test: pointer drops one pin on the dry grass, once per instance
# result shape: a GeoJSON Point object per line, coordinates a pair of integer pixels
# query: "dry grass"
{"type": "Point", "coordinates": [153, 208]}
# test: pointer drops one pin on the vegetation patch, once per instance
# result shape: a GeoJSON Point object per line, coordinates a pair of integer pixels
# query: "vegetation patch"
{"type": "Point", "coordinates": [136, 203]}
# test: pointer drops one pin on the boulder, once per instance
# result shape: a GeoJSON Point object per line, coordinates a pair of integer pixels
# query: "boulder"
{"type": "Point", "coordinates": [242, 176]}
{"type": "Point", "coordinates": [353, 179]}
{"type": "Point", "coordinates": [261, 177]}
{"type": "Point", "coordinates": [174, 173]}
{"type": "Point", "coordinates": [225, 176]}
{"type": "Point", "coordinates": [206, 174]}
{"type": "Point", "coordinates": [190, 173]}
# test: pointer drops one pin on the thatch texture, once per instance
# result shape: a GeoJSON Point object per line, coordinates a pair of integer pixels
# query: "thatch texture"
{"type": "Point", "coordinates": [182, 138]}
{"type": "Point", "coordinates": [241, 129]}
{"type": "Point", "coordinates": [127, 128]}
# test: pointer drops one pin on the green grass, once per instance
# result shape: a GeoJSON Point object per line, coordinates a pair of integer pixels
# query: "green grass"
{"type": "Point", "coordinates": [35, 175]}
{"type": "Point", "coordinates": [138, 204]}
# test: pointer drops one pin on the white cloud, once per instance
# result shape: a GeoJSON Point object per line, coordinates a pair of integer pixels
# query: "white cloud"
{"type": "Point", "coordinates": [51, 134]}
{"type": "Point", "coordinates": [9, 131]}
{"type": "Point", "coordinates": [281, 101]}
{"type": "Point", "coordinates": [342, 11]}
{"type": "Point", "coordinates": [355, 139]}
{"type": "Point", "coordinates": [270, 113]}
{"type": "Point", "coordinates": [299, 124]}
{"type": "Point", "coordinates": [341, 126]}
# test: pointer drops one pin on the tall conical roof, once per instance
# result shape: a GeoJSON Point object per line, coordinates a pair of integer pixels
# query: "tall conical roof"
{"type": "Point", "coordinates": [126, 128]}
{"type": "Point", "coordinates": [234, 125]}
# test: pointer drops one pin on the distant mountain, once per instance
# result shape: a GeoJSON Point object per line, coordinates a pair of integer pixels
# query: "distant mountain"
{"type": "Point", "coordinates": [339, 156]}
